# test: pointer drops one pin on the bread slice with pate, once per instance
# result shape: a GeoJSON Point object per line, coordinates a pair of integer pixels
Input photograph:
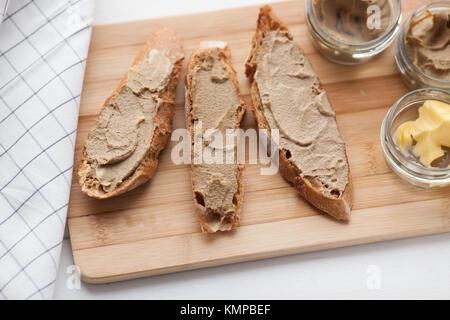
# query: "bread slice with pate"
{"type": "Point", "coordinates": [288, 96]}
{"type": "Point", "coordinates": [134, 125]}
{"type": "Point", "coordinates": [214, 105]}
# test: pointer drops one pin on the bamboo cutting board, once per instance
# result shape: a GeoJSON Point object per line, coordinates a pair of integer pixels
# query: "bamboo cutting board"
{"type": "Point", "coordinates": [153, 229]}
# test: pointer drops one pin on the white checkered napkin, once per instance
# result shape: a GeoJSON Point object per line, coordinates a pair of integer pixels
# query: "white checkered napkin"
{"type": "Point", "coordinates": [43, 50]}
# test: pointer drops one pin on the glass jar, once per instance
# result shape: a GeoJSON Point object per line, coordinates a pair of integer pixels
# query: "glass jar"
{"type": "Point", "coordinates": [412, 76]}
{"type": "Point", "coordinates": [406, 109]}
{"type": "Point", "coordinates": [351, 53]}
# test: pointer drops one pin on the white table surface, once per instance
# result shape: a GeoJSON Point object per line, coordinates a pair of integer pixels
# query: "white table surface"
{"type": "Point", "coordinates": [410, 268]}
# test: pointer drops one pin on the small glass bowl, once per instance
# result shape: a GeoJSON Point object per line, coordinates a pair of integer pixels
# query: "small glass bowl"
{"type": "Point", "coordinates": [406, 109]}
{"type": "Point", "coordinates": [412, 76]}
{"type": "Point", "coordinates": [351, 53]}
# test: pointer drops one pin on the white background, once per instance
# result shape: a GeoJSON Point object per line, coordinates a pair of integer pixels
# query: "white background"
{"type": "Point", "coordinates": [411, 268]}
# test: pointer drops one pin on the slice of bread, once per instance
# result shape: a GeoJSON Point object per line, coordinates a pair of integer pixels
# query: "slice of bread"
{"type": "Point", "coordinates": [213, 100]}
{"type": "Point", "coordinates": [288, 96]}
{"type": "Point", "coordinates": [134, 125]}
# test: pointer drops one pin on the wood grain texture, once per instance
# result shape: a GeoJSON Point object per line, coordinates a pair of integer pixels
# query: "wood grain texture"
{"type": "Point", "coordinates": [153, 229]}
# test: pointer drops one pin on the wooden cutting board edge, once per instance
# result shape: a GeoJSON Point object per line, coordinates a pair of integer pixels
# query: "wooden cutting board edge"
{"type": "Point", "coordinates": [407, 223]}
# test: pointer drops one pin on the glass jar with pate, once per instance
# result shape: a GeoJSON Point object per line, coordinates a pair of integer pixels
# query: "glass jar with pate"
{"type": "Point", "coordinates": [415, 138]}
{"type": "Point", "coordinates": [422, 51]}
{"type": "Point", "coordinates": [352, 32]}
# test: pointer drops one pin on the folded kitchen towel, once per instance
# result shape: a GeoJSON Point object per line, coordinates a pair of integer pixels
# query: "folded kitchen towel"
{"type": "Point", "coordinates": [43, 50]}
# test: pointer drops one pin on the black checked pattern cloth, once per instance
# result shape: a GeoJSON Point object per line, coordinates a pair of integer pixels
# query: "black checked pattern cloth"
{"type": "Point", "coordinates": [43, 50]}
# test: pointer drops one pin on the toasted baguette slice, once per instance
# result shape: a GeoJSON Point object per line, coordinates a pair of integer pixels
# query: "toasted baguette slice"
{"type": "Point", "coordinates": [134, 125]}
{"type": "Point", "coordinates": [288, 96]}
{"type": "Point", "coordinates": [213, 99]}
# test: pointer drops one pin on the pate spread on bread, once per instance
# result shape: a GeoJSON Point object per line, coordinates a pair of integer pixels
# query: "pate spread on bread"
{"type": "Point", "coordinates": [213, 102]}
{"type": "Point", "coordinates": [121, 151]}
{"type": "Point", "coordinates": [287, 95]}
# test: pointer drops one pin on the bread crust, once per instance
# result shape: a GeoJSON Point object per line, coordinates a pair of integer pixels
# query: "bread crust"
{"type": "Point", "coordinates": [162, 38]}
{"type": "Point", "coordinates": [338, 207]}
{"type": "Point", "coordinates": [232, 221]}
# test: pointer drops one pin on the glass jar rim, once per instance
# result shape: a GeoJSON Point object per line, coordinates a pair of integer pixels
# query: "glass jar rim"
{"type": "Point", "coordinates": [402, 42]}
{"type": "Point", "coordinates": [357, 45]}
{"type": "Point", "coordinates": [390, 116]}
